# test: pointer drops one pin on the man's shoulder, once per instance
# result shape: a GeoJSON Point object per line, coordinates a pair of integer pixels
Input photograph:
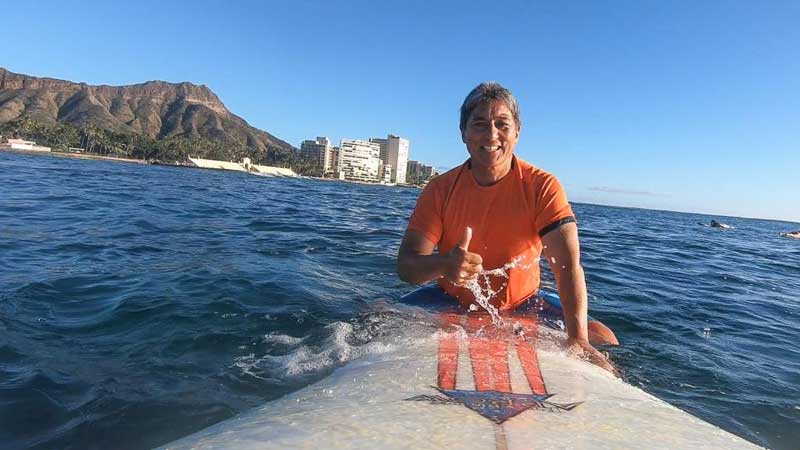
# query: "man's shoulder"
{"type": "Point", "coordinates": [445, 180]}
{"type": "Point", "coordinates": [532, 174]}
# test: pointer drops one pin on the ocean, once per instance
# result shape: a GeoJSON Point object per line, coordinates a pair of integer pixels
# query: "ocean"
{"type": "Point", "coordinates": [141, 303]}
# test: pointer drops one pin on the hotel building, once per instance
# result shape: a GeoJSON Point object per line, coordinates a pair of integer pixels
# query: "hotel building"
{"type": "Point", "coordinates": [320, 153]}
{"type": "Point", "coordinates": [359, 160]}
{"type": "Point", "coordinates": [333, 169]}
{"type": "Point", "coordinates": [394, 152]}
{"type": "Point", "coordinates": [385, 173]}
{"type": "Point", "coordinates": [384, 143]}
{"type": "Point", "coordinates": [419, 173]}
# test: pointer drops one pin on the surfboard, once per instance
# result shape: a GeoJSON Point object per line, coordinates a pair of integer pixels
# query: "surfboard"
{"type": "Point", "coordinates": [468, 385]}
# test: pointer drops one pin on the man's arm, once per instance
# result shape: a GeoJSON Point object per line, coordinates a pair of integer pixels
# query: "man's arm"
{"type": "Point", "coordinates": [416, 262]}
{"type": "Point", "coordinates": [562, 250]}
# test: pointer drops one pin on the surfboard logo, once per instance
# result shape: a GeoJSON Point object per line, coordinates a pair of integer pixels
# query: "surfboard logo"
{"type": "Point", "coordinates": [489, 350]}
{"type": "Point", "coordinates": [494, 405]}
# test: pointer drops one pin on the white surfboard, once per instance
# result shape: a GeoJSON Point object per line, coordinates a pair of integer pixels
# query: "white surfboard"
{"type": "Point", "coordinates": [467, 387]}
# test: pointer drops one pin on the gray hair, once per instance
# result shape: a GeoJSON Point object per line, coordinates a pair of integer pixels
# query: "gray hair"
{"type": "Point", "coordinates": [486, 92]}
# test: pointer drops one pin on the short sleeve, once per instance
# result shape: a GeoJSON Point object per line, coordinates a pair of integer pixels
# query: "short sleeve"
{"type": "Point", "coordinates": [427, 216]}
{"type": "Point", "coordinates": [552, 207]}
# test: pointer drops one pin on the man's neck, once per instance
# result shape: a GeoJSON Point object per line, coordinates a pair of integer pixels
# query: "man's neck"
{"type": "Point", "coordinates": [491, 175]}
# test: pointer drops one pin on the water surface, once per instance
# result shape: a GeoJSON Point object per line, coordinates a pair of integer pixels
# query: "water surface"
{"type": "Point", "coordinates": [141, 303]}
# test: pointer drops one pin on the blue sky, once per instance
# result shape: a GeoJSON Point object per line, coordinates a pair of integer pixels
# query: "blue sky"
{"type": "Point", "coordinates": [681, 105]}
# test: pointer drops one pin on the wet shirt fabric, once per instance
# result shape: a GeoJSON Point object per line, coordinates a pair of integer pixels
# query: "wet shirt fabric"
{"type": "Point", "coordinates": [507, 219]}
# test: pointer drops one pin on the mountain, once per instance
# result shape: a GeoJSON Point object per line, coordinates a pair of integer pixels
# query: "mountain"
{"type": "Point", "coordinates": [156, 109]}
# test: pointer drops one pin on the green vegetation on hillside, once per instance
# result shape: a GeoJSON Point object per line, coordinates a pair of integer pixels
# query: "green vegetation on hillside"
{"type": "Point", "coordinates": [174, 150]}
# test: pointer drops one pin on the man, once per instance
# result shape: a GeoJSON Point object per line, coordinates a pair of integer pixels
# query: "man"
{"type": "Point", "coordinates": [497, 212]}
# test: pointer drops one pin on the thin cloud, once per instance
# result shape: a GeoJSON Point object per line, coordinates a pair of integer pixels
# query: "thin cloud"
{"type": "Point", "coordinates": [613, 190]}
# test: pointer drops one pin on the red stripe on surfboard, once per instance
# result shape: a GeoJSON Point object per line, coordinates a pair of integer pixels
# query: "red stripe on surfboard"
{"type": "Point", "coordinates": [478, 354]}
{"type": "Point", "coordinates": [502, 380]}
{"type": "Point", "coordinates": [448, 353]}
{"type": "Point", "coordinates": [448, 361]}
{"type": "Point", "coordinates": [489, 356]}
{"type": "Point", "coordinates": [530, 365]}
{"type": "Point", "coordinates": [528, 358]}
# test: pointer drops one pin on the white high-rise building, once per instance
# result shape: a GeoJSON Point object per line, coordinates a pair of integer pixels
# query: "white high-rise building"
{"type": "Point", "coordinates": [396, 155]}
{"type": "Point", "coordinates": [359, 160]}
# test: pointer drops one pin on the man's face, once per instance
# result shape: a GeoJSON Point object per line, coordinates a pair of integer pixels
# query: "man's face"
{"type": "Point", "coordinates": [491, 134]}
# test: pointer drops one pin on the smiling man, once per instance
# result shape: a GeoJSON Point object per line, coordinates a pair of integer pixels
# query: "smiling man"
{"type": "Point", "coordinates": [490, 219]}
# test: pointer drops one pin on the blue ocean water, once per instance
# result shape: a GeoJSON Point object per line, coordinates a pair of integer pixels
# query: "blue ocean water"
{"type": "Point", "coordinates": [141, 303]}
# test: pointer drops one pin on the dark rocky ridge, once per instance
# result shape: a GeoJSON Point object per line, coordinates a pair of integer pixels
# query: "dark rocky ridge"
{"type": "Point", "coordinates": [157, 109]}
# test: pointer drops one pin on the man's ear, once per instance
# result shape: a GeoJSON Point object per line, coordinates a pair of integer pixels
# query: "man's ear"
{"type": "Point", "coordinates": [464, 138]}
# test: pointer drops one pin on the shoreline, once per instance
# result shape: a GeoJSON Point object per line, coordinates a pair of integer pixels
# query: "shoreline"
{"type": "Point", "coordinates": [76, 156]}
{"type": "Point", "coordinates": [186, 166]}
{"type": "Point", "coordinates": [98, 157]}
{"type": "Point", "coordinates": [366, 183]}
{"type": "Point", "coordinates": [144, 162]}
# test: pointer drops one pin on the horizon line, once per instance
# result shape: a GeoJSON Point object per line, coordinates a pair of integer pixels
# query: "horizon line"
{"type": "Point", "coordinates": [795, 222]}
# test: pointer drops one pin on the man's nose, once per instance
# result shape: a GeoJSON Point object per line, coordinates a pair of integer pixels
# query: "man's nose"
{"type": "Point", "coordinates": [494, 132]}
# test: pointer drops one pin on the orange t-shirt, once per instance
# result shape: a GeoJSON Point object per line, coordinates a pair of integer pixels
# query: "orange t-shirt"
{"type": "Point", "coordinates": [507, 218]}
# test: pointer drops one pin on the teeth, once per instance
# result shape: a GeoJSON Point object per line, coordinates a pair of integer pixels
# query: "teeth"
{"type": "Point", "coordinates": [491, 148]}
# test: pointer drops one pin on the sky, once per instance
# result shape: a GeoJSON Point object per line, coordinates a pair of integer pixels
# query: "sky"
{"type": "Point", "coordinates": [679, 105]}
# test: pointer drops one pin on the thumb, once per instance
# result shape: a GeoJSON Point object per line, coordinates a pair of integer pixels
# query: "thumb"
{"type": "Point", "coordinates": [464, 243]}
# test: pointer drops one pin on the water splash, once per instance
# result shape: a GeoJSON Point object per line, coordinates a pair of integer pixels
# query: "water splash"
{"type": "Point", "coordinates": [481, 288]}
{"type": "Point", "coordinates": [336, 348]}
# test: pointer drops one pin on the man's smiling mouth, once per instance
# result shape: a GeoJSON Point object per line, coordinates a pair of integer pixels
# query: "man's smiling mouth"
{"type": "Point", "coordinates": [491, 148]}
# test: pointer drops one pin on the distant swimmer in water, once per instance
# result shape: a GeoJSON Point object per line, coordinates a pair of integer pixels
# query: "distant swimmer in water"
{"type": "Point", "coordinates": [791, 234]}
{"type": "Point", "coordinates": [715, 224]}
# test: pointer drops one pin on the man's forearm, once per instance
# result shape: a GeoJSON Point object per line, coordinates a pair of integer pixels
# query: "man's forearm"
{"type": "Point", "coordinates": [420, 269]}
{"type": "Point", "coordinates": [574, 302]}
